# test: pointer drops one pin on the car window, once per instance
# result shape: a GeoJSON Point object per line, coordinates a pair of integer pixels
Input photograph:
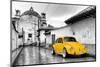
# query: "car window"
{"type": "Point", "coordinates": [60, 40]}
{"type": "Point", "coordinates": [69, 39]}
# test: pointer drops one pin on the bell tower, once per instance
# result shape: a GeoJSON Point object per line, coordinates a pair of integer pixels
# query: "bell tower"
{"type": "Point", "coordinates": [43, 20]}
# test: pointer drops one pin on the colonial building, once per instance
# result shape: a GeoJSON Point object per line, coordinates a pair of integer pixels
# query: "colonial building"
{"type": "Point", "coordinates": [25, 29]}
{"type": "Point", "coordinates": [31, 27]}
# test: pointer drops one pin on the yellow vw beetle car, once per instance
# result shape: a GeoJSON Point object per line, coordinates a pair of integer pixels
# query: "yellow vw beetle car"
{"type": "Point", "coordinates": [68, 46]}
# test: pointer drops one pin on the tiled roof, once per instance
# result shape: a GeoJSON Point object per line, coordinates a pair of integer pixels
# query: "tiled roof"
{"type": "Point", "coordinates": [88, 12]}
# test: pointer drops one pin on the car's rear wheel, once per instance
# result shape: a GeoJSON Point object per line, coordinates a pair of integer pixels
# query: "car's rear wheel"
{"type": "Point", "coordinates": [64, 55]}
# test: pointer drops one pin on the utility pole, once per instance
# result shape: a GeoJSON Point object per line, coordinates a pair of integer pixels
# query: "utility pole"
{"type": "Point", "coordinates": [23, 36]}
{"type": "Point", "coordinates": [38, 33]}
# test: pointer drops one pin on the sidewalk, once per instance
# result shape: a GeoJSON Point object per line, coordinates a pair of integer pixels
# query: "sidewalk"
{"type": "Point", "coordinates": [14, 54]}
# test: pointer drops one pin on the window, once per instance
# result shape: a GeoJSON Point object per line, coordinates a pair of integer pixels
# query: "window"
{"type": "Point", "coordinates": [30, 35]}
{"type": "Point", "coordinates": [20, 36]}
{"type": "Point", "coordinates": [69, 39]}
{"type": "Point", "coordinates": [60, 40]}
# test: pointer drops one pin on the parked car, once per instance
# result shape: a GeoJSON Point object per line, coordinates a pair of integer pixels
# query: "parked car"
{"type": "Point", "coordinates": [68, 46]}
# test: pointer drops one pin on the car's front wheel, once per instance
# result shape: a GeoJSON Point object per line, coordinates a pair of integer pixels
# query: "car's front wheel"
{"type": "Point", "coordinates": [64, 55]}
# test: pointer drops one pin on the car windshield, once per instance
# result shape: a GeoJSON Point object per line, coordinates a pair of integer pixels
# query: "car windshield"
{"type": "Point", "coordinates": [69, 39]}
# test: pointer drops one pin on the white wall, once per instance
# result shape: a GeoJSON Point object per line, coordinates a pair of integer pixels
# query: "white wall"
{"type": "Point", "coordinates": [28, 24]}
{"type": "Point", "coordinates": [14, 35]}
{"type": "Point", "coordinates": [15, 40]}
{"type": "Point", "coordinates": [66, 31]}
{"type": "Point", "coordinates": [42, 36]}
{"type": "Point", "coordinates": [85, 30]}
{"type": "Point", "coordinates": [49, 39]}
{"type": "Point", "coordinates": [26, 37]}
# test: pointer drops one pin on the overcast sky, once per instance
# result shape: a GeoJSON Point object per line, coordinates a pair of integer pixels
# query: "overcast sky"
{"type": "Point", "coordinates": [56, 14]}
